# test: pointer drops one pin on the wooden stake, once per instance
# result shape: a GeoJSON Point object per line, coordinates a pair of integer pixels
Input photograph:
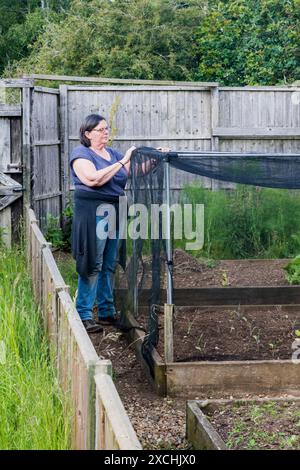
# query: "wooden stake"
{"type": "Point", "coordinates": [168, 332]}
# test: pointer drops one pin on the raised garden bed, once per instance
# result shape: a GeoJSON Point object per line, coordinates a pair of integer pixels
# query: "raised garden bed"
{"type": "Point", "coordinates": [235, 338]}
{"type": "Point", "coordinates": [267, 423]}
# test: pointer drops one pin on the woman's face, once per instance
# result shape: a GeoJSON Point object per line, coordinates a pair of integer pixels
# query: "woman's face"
{"type": "Point", "coordinates": [99, 136]}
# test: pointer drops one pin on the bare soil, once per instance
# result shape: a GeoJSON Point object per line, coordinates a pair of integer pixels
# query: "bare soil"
{"type": "Point", "coordinates": [228, 334]}
{"type": "Point", "coordinates": [191, 272]}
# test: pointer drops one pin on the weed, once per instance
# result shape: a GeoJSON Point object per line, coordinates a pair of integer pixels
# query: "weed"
{"type": "Point", "coordinates": [245, 223]}
{"type": "Point", "coordinates": [34, 412]}
{"type": "Point", "coordinates": [201, 343]}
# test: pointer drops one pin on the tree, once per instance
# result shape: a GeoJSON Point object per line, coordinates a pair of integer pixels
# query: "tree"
{"type": "Point", "coordinates": [147, 39]}
{"type": "Point", "coordinates": [21, 21]}
{"type": "Point", "coordinates": [249, 42]}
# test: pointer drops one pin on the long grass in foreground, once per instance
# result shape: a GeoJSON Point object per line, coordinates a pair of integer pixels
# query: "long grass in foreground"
{"type": "Point", "coordinates": [34, 414]}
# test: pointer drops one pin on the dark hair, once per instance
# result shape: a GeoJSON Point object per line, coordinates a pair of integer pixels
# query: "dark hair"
{"type": "Point", "coordinates": [90, 122]}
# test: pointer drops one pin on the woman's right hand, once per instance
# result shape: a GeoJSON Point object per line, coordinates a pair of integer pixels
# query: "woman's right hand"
{"type": "Point", "coordinates": [128, 155]}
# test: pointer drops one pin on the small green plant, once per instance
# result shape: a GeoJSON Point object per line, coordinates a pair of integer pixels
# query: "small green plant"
{"type": "Point", "coordinates": [53, 231]}
{"type": "Point", "coordinates": [67, 215]}
{"type": "Point", "coordinates": [201, 343]}
{"type": "Point", "coordinates": [60, 237]}
{"type": "Point", "coordinates": [225, 279]}
{"type": "Point", "coordinates": [2, 233]}
{"type": "Point", "coordinates": [293, 271]}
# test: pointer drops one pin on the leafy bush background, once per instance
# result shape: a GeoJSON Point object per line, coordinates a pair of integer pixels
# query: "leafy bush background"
{"type": "Point", "coordinates": [235, 43]}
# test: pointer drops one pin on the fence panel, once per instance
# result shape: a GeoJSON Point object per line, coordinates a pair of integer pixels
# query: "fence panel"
{"type": "Point", "coordinates": [46, 163]}
{"type": "Point", "coordinates": [37, 244]}
{"type": "Point", "coordinates": [52, 284]}
{"type": "Point", "coordinates": [10, 162]}
{"type": "Point", "coordinates": [169, 116]}
{"type": "Point", "coordinates": [264, 119]}
{"type": "Point", "coordinates": [77, 364]}
{"type": "Point", "coordinates": [186, 118]}
{"type": "Point", "coordinates": [113, 428]}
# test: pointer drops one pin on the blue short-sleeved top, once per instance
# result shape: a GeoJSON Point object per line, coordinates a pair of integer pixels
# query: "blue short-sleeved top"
{"type": "Point", "coordinates": [115, 186]}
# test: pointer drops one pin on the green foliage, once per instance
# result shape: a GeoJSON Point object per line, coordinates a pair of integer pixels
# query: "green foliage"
{"type": "Point", "coordinates": [251, 427]}
{"type": "Point", "coordinates": [34, 412]}
{"type": "Point", "coordinates": [249, 42]}
{"type": "Point", "coordinates": [53, 231]}
{"type": "Point", "coordinates": [67, 268]}
{"type": "Point", "coordinates": [242, 42]}
{"type": "Point", "coordinates": [248, 222]}
{"type": "Point", "coordinates": [146, 39]}
{"type": "Point", "coordinates": [293, 271]}
{"type": "Point", "coordinates": [21, 22]}
{"type": "Point", "coordinates": [59, 237]}
{"type": "Point", "coordinates": [2, 233]}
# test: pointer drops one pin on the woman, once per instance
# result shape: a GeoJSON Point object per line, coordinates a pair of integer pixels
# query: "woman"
{"type": "Point", "coordinates": [100, 174]}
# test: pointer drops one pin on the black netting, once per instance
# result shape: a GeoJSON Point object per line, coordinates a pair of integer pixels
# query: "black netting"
{"type": "Point", "coordinates": [149, 262]}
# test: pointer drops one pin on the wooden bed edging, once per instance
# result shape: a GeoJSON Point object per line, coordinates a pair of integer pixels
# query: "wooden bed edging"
{"type": "Point", "coordinates": [136, 337]}
{"type": "Point", "coordinates": [199, 431]}
{"type": "Point", "coordinates": [224, 296]}
{"type": "Point", "coordinates": [187, 379]}
{"type": "Point", "coordinates": [235, 377]}
{"type": "Point", "coordinates": [202, 434]}
{"type": "Point", "coordinates": [77, 360]}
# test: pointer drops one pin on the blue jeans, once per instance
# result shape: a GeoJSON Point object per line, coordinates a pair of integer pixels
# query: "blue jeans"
{"type": "Point", "coordinates": [98, 287]}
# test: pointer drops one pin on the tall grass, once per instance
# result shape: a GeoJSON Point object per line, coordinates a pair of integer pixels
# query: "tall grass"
{"type": "Point", "coordinates": [248, 222]}
{"type": "Point", "coordinates": [33, 411]}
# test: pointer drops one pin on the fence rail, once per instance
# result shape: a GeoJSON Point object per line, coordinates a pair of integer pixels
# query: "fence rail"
{"type": "Point", "coordinates": [99, 420]}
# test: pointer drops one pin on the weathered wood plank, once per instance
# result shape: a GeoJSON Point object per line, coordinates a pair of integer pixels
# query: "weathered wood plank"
{"type": "Point", "coordinates": [10, 110]}
{"type": "Point", "coordinates": [26, 142]}
{"type": "Point", "coordinates": [68, 78]}
{"type": "Point", "coordinates": [259, 88]}
{"type": "Point", "coordinates": [46, 143]}
{"type": "Point", "coordinates": [64, 138]}
{"type": "Point", "coordinates": [16, 82]}
{"type": "Point", "coordinates": [142, 139]}
{"type": "Point", "coordinates": [42, 89]}
{"type": "Point", "coordinates": [5, 143]}
{"type": "Point", "coordinates": [168, 333]}
{"type": "Point", "coordinates": [199, 431]}
{"type": "Point", "coordinates": [5, 224]}
{"type": "Point", "coordinates": [118, 432]}
{"type": "Point", "coordinates": [280, 295]}
{"type": "Point", "coordinates": [8, 200]}
{"type": "Point", "coordinates": [256, 132]}
{"type": "Point", "coordinates": [16, 142]}
{"type": "Point", "coordinates": [78, 363]}
{"type": "Point", "coordinates": [233, 377]}
{"type": "Point", "coordinates": [48, 196]}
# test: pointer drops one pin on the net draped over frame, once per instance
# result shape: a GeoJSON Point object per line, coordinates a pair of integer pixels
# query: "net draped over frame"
{"type": "Point", "coordinates": [147, 186]}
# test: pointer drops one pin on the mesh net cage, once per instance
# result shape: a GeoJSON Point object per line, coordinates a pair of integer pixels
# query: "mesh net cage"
{"type": "Point", "coordinates": [149, 259]}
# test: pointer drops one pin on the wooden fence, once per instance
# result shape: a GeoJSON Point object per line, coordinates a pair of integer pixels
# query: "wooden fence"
{"type": "Point", "coordinates": [14, 152]}
{"type": "Point", "coordinates": [182, 116]}
{"type": "Point", "coordinates": [202, 117]}
{"type": "Point", "coordinates": [99, 419]}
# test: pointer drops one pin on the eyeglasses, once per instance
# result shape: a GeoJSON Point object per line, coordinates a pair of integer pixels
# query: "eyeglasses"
{"type": "Point", "coordinates": [101, 130]}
